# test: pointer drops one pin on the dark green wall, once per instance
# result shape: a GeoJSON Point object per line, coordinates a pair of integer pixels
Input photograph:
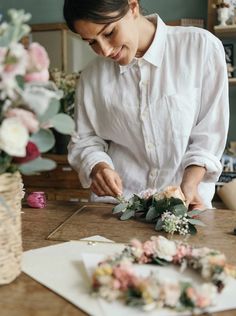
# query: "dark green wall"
{"type": "Point", "coordinates": [46, 11]}
{"type": "Point", "coordinates": [43, 11]}
{"type": "Point", "coordinates": [177, 9]}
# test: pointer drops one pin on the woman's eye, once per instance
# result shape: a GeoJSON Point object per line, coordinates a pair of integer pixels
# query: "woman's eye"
{"type": "Point", "coordinates": [91, 43]}
{"type": "Point", "coordinates": [108, 34]}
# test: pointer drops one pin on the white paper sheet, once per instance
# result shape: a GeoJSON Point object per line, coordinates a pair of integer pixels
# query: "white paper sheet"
{"type": "Point", "coordinates": [61, 269]}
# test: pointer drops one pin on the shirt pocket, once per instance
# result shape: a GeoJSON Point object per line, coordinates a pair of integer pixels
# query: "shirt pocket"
{"type": "Point", "coordinates": [181, 111]}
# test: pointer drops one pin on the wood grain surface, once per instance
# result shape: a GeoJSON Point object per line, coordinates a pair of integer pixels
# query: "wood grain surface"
{"type": "Point", "coordinates": [61, 221]}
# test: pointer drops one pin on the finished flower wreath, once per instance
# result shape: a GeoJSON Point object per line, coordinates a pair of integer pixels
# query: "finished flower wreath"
{"type": "Point", "coordinates": [166, 209]}
{"type": "Point", "coordinates": [115, 278]}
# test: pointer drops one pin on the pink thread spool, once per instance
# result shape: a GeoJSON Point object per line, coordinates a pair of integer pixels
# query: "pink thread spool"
{"type": "Point", "coordinates": [36, 199]}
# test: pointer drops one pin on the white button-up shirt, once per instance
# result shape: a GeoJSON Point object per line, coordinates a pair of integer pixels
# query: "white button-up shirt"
{"type": "Point", "coordinates": [151, 119]}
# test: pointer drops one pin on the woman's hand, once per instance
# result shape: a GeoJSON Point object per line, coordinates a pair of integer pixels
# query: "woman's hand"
{"type": "Point", "coordinates": [191, 178]}
{"type": "Point", "coordinates": [105, 181]}
{"type": "Point", "coordinates": [193, 200]}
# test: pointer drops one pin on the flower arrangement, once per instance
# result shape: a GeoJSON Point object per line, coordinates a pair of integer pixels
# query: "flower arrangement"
{"type": "Point", "coordinates": [66, 83]}
{"type": "Point", "coordinates": [114, 278]}
{"type": "Point", "coordinates": [29, 102]}
{"type": "Point", "coordinates": [166, 209]}
{"type": "Point", "coordinates": [221, 4]}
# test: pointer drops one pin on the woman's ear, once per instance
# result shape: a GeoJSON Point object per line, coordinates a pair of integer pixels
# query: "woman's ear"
{"type": "Point", "coordinates": [134, 7]}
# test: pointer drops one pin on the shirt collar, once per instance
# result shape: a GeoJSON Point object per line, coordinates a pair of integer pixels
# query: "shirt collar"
{"type": "Point", "coordinates": [154, 54]}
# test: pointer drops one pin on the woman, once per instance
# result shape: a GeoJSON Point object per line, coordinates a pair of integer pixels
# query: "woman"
{"type": "Point", "coordinates": [152, 109]}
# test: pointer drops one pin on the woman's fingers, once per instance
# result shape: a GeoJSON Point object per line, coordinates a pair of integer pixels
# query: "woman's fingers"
{"type": "Point", "coordinates": [114, 182]}
{"type": "Point", "coordinates": [106, 182]}
{"type": "Point", "coordinates": [97, 189]}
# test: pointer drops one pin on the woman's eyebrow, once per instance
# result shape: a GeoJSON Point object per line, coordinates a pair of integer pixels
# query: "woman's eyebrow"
{"type": "Point", "coordinates": [105, 26]}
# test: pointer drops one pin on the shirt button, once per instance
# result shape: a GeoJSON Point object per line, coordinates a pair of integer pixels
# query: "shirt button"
{"type": "Point", "coordinates": [150, 146]}
{"type": "Point", "coordinates": [140, 62]}
{"type": "Point", "coordinates": [153, 172]}
{"type": "Point", "coordinates": [144, 115]}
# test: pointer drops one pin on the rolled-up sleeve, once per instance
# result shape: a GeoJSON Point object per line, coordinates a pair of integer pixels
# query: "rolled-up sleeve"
{"type": "Point", "coordinates": [85, 149]}
{"type": "Point", "coordinates": [208, 136]}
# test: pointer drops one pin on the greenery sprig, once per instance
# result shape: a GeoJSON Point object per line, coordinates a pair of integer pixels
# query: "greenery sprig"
{"type": "Point", "coordinates": [167, 210]}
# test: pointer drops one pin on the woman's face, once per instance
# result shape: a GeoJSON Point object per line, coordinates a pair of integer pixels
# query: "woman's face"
{"type": "Point", "coordinates": [117, 40]}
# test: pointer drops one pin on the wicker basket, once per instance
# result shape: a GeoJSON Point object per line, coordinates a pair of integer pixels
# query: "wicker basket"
{"type": "Point", "coordinates": [11, 194]}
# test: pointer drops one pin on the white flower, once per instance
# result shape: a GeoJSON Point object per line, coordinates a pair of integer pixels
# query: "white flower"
{"type": "Point", "coordinates": [13, 62]}
{"type": "Point", "coordinates": [13, 137]}
{"type": "Point", "coordinates": [164, 248]}
{"type": "Point", "coordinates": [172, 293]}
{"type": "Point", "coordinates": [147, 193]}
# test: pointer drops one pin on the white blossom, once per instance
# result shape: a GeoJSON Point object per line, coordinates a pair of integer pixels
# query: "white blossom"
{"type": "Point", "coordinates": [13, 137]}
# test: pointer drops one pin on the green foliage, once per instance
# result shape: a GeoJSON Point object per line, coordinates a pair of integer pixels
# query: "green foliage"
{"type": "Point", "coordinates": [44, 139]}
{"type": "Point", "coordinates": [63, 123]}
{"type": "Point", "coordinates": [51, 111]}
{"type": "Point", "coordinates": [16, 28]}
{"type": "Point", "coordinates": [153, 209]}
{"type": "Point", "coordinates": [37, 165]}
{"type": "Point", "coordinates": [5, 162]}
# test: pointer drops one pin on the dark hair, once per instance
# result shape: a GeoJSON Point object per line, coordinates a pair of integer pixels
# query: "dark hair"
{"type": "Point", "coordinates": [94, 10]}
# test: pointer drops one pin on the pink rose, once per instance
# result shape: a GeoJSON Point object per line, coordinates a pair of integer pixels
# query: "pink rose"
{"type": "Point", "coordinates": [149, 248]}
{"type": "Point", "coordinates": [125, 275]}
{"type": "Point", "coordinates": [27, 118]}
{"type": "Point", "coordinates": [32, 153]}
{"type": "Point", "coordinates": [182, 252]}
{"type": "Point", "coordinates": [136, 244]}
{"type": "Point", "coordinates": [42, 76]}
{"type": "Point", "coordinates": [38, 58]}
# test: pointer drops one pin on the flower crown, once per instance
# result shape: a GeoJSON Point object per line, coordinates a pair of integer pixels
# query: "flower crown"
{"type": "Point", "coordinates": [115, 278]}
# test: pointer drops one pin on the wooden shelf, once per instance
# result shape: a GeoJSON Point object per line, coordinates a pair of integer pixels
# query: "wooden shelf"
{"type": "Point", "coordinates": [45, 27]}
{"type": "Point", "coordinates": [62, 183]}
{"type": "Point", "coordinates": [232, 81]}
{"type": "Point", "coordinates": [225, 31]}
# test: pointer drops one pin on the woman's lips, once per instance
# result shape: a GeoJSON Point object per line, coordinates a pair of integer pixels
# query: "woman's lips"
{"type": "Point", "coordinates": [117, 55]}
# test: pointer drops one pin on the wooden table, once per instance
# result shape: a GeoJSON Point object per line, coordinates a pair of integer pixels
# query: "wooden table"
{"type": "Point", "coordinates": [67, 220]}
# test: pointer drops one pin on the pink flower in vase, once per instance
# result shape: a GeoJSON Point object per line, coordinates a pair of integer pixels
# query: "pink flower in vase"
{"type": "Point", "coordinates": [36, 200]}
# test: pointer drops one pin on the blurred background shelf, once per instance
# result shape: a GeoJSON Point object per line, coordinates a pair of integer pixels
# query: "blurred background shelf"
{"type": "Point", "coordinates": [232, 81]}
{"type": "Point", "coordinates": [59, 184]}
{"type": "Point", "coordinates": [228, 31]}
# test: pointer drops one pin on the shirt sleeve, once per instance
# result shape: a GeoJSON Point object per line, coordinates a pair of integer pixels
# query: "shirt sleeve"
{"type": "Point", "coordinates": [208, 136]}
{"type": "Point", "coordinates": [86, 149]}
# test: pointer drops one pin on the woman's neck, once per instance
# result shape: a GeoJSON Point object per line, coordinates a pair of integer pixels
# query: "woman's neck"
{"type": "Point", "coordinates": [147, 31]}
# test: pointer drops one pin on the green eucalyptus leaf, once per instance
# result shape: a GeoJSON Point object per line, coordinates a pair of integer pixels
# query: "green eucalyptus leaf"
{"type": "Point", "coordinates": [5, 162]}
{"type": "Point", "coordinates": [52, 110]}
{"type": "Point", "coordinates": [192, 229]}
{"type": "Point", "coordinates": [159, 224]}
{"type": "Point", "coordinates": [194, 213]}
{"type": "Point", "coordinates": [175, 201]}
{"type": "Point", "coordinates": [20, 81]}
{"type": "Point", "coordinates": [179, 209]}
{"type": "Point", "coordinates": [161, 205]}
{"type": "Point", "coordinates": [63, 123]}
{"type": "Point", "coordinates": [38, 165]}
{"type": "Point", "coordinates": [151, 214]}
{"type": "Point", "coordinates": [119, 208]}
{"type": "Point", "coordinates": [194, 221]}
{"type": "Point", "coordinates": [127, 214]}
{"type": "Point", "coordinates": [160, 262]}
{"type": "Point", "coordinates": [44, 139]}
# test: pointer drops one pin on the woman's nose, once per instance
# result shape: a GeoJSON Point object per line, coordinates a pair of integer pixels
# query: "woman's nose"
{"type": "Point", "coordinates": [105, 49]}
